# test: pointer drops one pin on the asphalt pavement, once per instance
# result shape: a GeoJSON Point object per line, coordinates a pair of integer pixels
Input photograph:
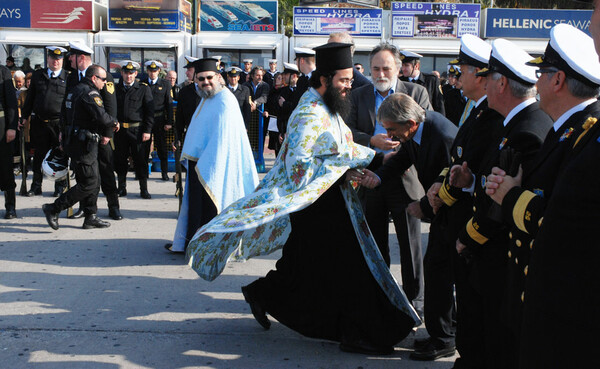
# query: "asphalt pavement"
{"type": "Point", "coordinates": [114, 298]}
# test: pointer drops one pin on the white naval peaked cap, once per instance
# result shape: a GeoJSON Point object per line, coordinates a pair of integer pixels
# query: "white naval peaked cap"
{"type": "Point", "coordinates": [271, 61]}
{"type": "Point", "coordinates": [56, 51]}
{"type": "Point", "coordinates": [409, 55]}
{"type": "Point", "coordinates": [234, 68]}
{"type": "Point", "coordinates": [153, 64]}
{"type": "Point", "coordinates": [247, 60]}
{"type": "Point", "coordinates": [473, 51]}
{"type": "Point", "coordinates": [510, 60]}
{"type": "Point", "coordinates": [301, 51]}
{"type": "Point", "coordinates": [129, 65]}
{"type": "Point", "coordinates": [188, 61]}
{"type": "Point", "coordinates": [573, 52]}
{"type": "Point", "coordinates": [80, 48]}
{"type": "Point", "coordinates": [290, 68]}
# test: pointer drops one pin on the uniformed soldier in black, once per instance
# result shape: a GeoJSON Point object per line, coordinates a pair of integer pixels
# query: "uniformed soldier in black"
{"type": "Point", "coordinates": [454, 99]}
{"type": "Point", "coordinates": [305, 60]}
{"type": "Point", "coordinates": [80, 57]}
{"type": "Point", "coordinates": [245, 75]}
{"type": "Point", "coordinates": [163, 113]}
{"type": "Point", "coordinates": [43, 103]}
{"type": "Point", "coordinates": [511, 91]}
{"type": "Point", "coordinates": [269, 76]}
{"type": "Point", "coordinates": [241, 93]}
{"type": "Point", "coordinates": [8, 128]}
{"type": "Point", "coordinates": [189, 99]}
{"type": "Point", "coordinates": [135, 113]}
{"type": "Point", "coordinates": [411, 72]}
{"type": "Point", "coordinates": [87, 124]}
{"type": "Point", "coordinates": [286, 97]}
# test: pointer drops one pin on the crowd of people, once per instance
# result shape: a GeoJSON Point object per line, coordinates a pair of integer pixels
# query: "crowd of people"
{"type": "Point", "coordinates": [500, 158]}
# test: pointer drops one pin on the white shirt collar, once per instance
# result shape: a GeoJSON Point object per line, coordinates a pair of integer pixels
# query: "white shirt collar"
{"type": "Point", "coordinates": [517, 109]}
{"type": "Point", "coordinates": [480, 100]}
{"type": "Point", "coordinates": [566, 115]}
{"type": "Point", "coordinates": [415, 77]}
{"type": "Point", "coordinates": [52, 73]}
{"type": "Point", "coordinates": [234, 88]}
{"type": "Point", "coordinates": [153, 81]}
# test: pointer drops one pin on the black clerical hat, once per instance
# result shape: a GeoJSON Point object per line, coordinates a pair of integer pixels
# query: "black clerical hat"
{"type": "Point", "coordinates": [333, 56]}
{"type": "Point", "coordinates": [205, 65]}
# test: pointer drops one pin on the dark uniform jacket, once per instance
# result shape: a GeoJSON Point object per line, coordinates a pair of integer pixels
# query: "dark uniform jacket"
{"type": "Point", "coordinates": [432, 85]}
{"type": "Point", "coordinates": [45, 95]}
{"type": "Point", "coordinates": [260, 96]}
{"type": "Point", "coordinates": [242, 95]}
{"type": "Point", "coordinates": [186, 106]}
{"type": "Point", "coordinates": [135, 105]}
{"type": "Point", "coordinates": [286, 109]}
{"type": "Point", "coordinates": [563, 284]}
{"type": "Point", "coordinates": [454, 104]}
{"type": "Point", "coordinates": [85, 116]}
{"type": "Point", "coordinates": [175, 91]}
{"type": "Point", "coordinates": [430, 157]}
{"type": "Point", "coordinates": [268, 78]}
{"type": "Point", "coordinates": [109, 98]}
{"type": "Point", "coordinates": [8, 103]}
{"type": "Point", "coordinates": [162, 98]}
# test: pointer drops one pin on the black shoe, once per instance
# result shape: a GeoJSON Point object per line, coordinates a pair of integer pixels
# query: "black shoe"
{"type": "Point", "coordinates": [363, 347]}
{"type": "Point", "coordinates": [34, 192]}
{"type": "Point", "coordinates": [145, 195]}
{"type": "Point", "coordinates": [433, 351]}
{"type": "Point", "coordinates": [421, 343]}
{"type": "Point", "coordinates": [10, 214]}
{"type": "Point", "coordinates": [78, 214]}
{"type": "Point", "coordinates": [169, 247]}
{"type": "Point", "coordinates": [92, 221]}
{"type": "Point", "coordinates": [122, 192]}
{"type": "Point", "coordinates": [115, 213]}
{"type": "Point", "coordinates": [259, 313]}
{"type": "Point", "coordinates": [165, 177]}
{"type": "Point", "coordinates": [51, 216]}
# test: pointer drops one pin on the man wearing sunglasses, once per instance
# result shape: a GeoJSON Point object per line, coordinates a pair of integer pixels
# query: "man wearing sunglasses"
{"type": "Point", "coordinates": [217, 155]}
{"type": "Point", "coordinates": [87, 125]}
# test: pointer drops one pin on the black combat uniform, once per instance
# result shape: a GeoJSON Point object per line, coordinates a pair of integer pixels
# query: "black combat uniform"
{"type": "Point", "coordinates": [135, 113]}
{"type": "Point", "coordinates": [8, 120]}
{"type": "Point", "coordinates": [163, 116]}
{"type": "Point", "coordinates": [43, 103]}
{"type": "Point", "coordinates": [87, 122]}
{"type": "Point", "coordinates": [108, 181]}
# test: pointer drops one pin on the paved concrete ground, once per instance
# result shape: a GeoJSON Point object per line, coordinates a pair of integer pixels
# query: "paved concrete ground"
{"type": "Point", "coordinates": [114, 298]}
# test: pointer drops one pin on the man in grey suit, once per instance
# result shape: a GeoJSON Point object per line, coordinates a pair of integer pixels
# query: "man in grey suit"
{"type": "Point", "coordinates": [404, 188]}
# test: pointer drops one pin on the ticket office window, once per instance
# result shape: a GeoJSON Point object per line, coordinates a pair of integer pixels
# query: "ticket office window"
{"type": "Point", "coordinates": [28, 58]}
{"type": "Point", "coordinates": [116, 55]}
{"type": "Point", "coordinates": [235, 57]}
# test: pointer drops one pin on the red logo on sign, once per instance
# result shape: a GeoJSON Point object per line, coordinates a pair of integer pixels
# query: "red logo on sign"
{"type": "Point", "coordinates": [61, 14]}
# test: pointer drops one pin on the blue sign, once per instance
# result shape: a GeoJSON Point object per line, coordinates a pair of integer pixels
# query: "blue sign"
{"type": "Point", "coordinates": [435, 20]}
{"type": "Point", "coordinates": [323, 21]}
{"type": "Point", "coordinates": [15, 14]}
{"type": "Point", "coordinates": [532, 23]}
{"type": "Point", "coordinates": [238, 16]}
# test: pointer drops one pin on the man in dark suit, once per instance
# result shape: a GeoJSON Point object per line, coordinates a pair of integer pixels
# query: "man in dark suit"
{"type": "Point", "coordinates": [411, 72]}
{"type": "Point", "coordinates": [8, 129]}
{"type": "Point", "coordinates": [241, 92]}
{"type": "Point", "coordinates": [511, 91]}
{"type": "Point", "coordinates": [259, 93]}
{"type": "Point", "coordinates": [555, 206]}
{"type": "Point", "coordinates": [393, 196]}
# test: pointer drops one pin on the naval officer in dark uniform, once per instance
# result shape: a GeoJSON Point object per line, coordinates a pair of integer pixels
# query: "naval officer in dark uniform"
{"type": "Point", "coordinates": [80, 57]}
{"type": "Point", "coordinates": [87, 122]}
{"type": "Point", "coordinates": [163, 113]}
{"type": "Point", "coordinates": [43, 103]}
{"type": "Point", "coordinates": [8, 129]}
{"type": "Point", "coordinates": [411, 72]}
{"type": "Point", "coordinates": [241, 92]}
{"type": "Point", "coordinates": [135, 113]}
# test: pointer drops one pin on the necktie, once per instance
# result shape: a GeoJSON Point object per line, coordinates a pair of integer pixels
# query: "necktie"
{"type": "Point", "coordinates": [80, 76]}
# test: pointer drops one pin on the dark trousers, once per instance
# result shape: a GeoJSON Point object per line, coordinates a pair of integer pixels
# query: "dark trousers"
{"type": "Point", "coordinates": [201, 207]}
{"type": "Point", "coordinates": [44, 136]}
{"type": "Point", "coordinates": [439, 278]}
{"type": "Point", "coordinates": [391, 198]}
{"type": "Point", "coordinates": [85, 191]}
{"type": "Point", "coordinates": [107, 175]}
{"type": "Point", "coordinates": [160, 145]}
{"type": "Point", "coordinates": [7, 175]}
{"type": "Point", "coordinates": [128, 141]}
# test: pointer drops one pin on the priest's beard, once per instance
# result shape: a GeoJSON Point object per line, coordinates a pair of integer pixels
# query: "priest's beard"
{"type": "Point", "coordinates": [217, 87]}
{"type": "Point", "coordinates": [335, 102]}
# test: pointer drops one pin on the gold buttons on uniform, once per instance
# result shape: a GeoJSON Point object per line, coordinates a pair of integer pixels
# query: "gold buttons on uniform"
{"type": "Point", "coordinates": [526, 270]}
{"type": "Point", "coordinates": [516, 260]}
{"type": "Point", "coordinates": [474, 209]}
{"type": "Point", "coordinates": [509, 254]}
{"type": "Point", "coordinates": [523, 296]}
{"type": "Point", "coordinates": [540, 221]}
{"type": "Point", "coordinates": [518, 243]}
{"type": "Point", "coordinates": [531, 245]}
{"type": "Point", "coordinates": [510, 235]}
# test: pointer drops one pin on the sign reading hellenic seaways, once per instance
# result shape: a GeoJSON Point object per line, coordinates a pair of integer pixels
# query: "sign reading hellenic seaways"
{"type": "Point", "coordinates": [238, 16]}
{"type": "Point", "coordinates": [435, 20]}
{"type": "Point", "coordinates": [323, 21]}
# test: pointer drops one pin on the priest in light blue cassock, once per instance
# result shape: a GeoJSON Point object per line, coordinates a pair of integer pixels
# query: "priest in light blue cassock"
{"type": "Point", "coordinates": [217, 155]}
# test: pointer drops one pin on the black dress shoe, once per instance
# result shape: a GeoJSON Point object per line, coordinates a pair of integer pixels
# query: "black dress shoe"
{"type": "Point", "coordinates": [92, 221]}
{"type": "Point", "coordinates": [10, 214]}
{"type": "Point", "coordinates": [165, 177]}
{"type": "Point", "coordinates": [122, 192]}
{"type": "Point", "coordinates": [145, 195]}
{"type": "Point", "coordinates": [420, 343]}
{"type": "Point", "coordinates": [433, 351]}
{"type": "Point", "coordinates": [34, 192]}
{"type": "Point", "coordinates": [364, 347]}
{"type": "Point", "coordinates": [78, 214]}
{"type": "Point", "coordinates": [169, 247]}
{"type": "Point", "coordinates": [51, 216]}
{"type": "Point", "coordinates": [115, 213]}
{"type": "Point", "coordinates": [258, 311]}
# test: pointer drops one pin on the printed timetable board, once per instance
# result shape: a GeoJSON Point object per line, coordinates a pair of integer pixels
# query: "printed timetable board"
{"type": "Point", "coordinates": [435, 20]}
{"type": "Point", "coordinates": [311, 21]}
